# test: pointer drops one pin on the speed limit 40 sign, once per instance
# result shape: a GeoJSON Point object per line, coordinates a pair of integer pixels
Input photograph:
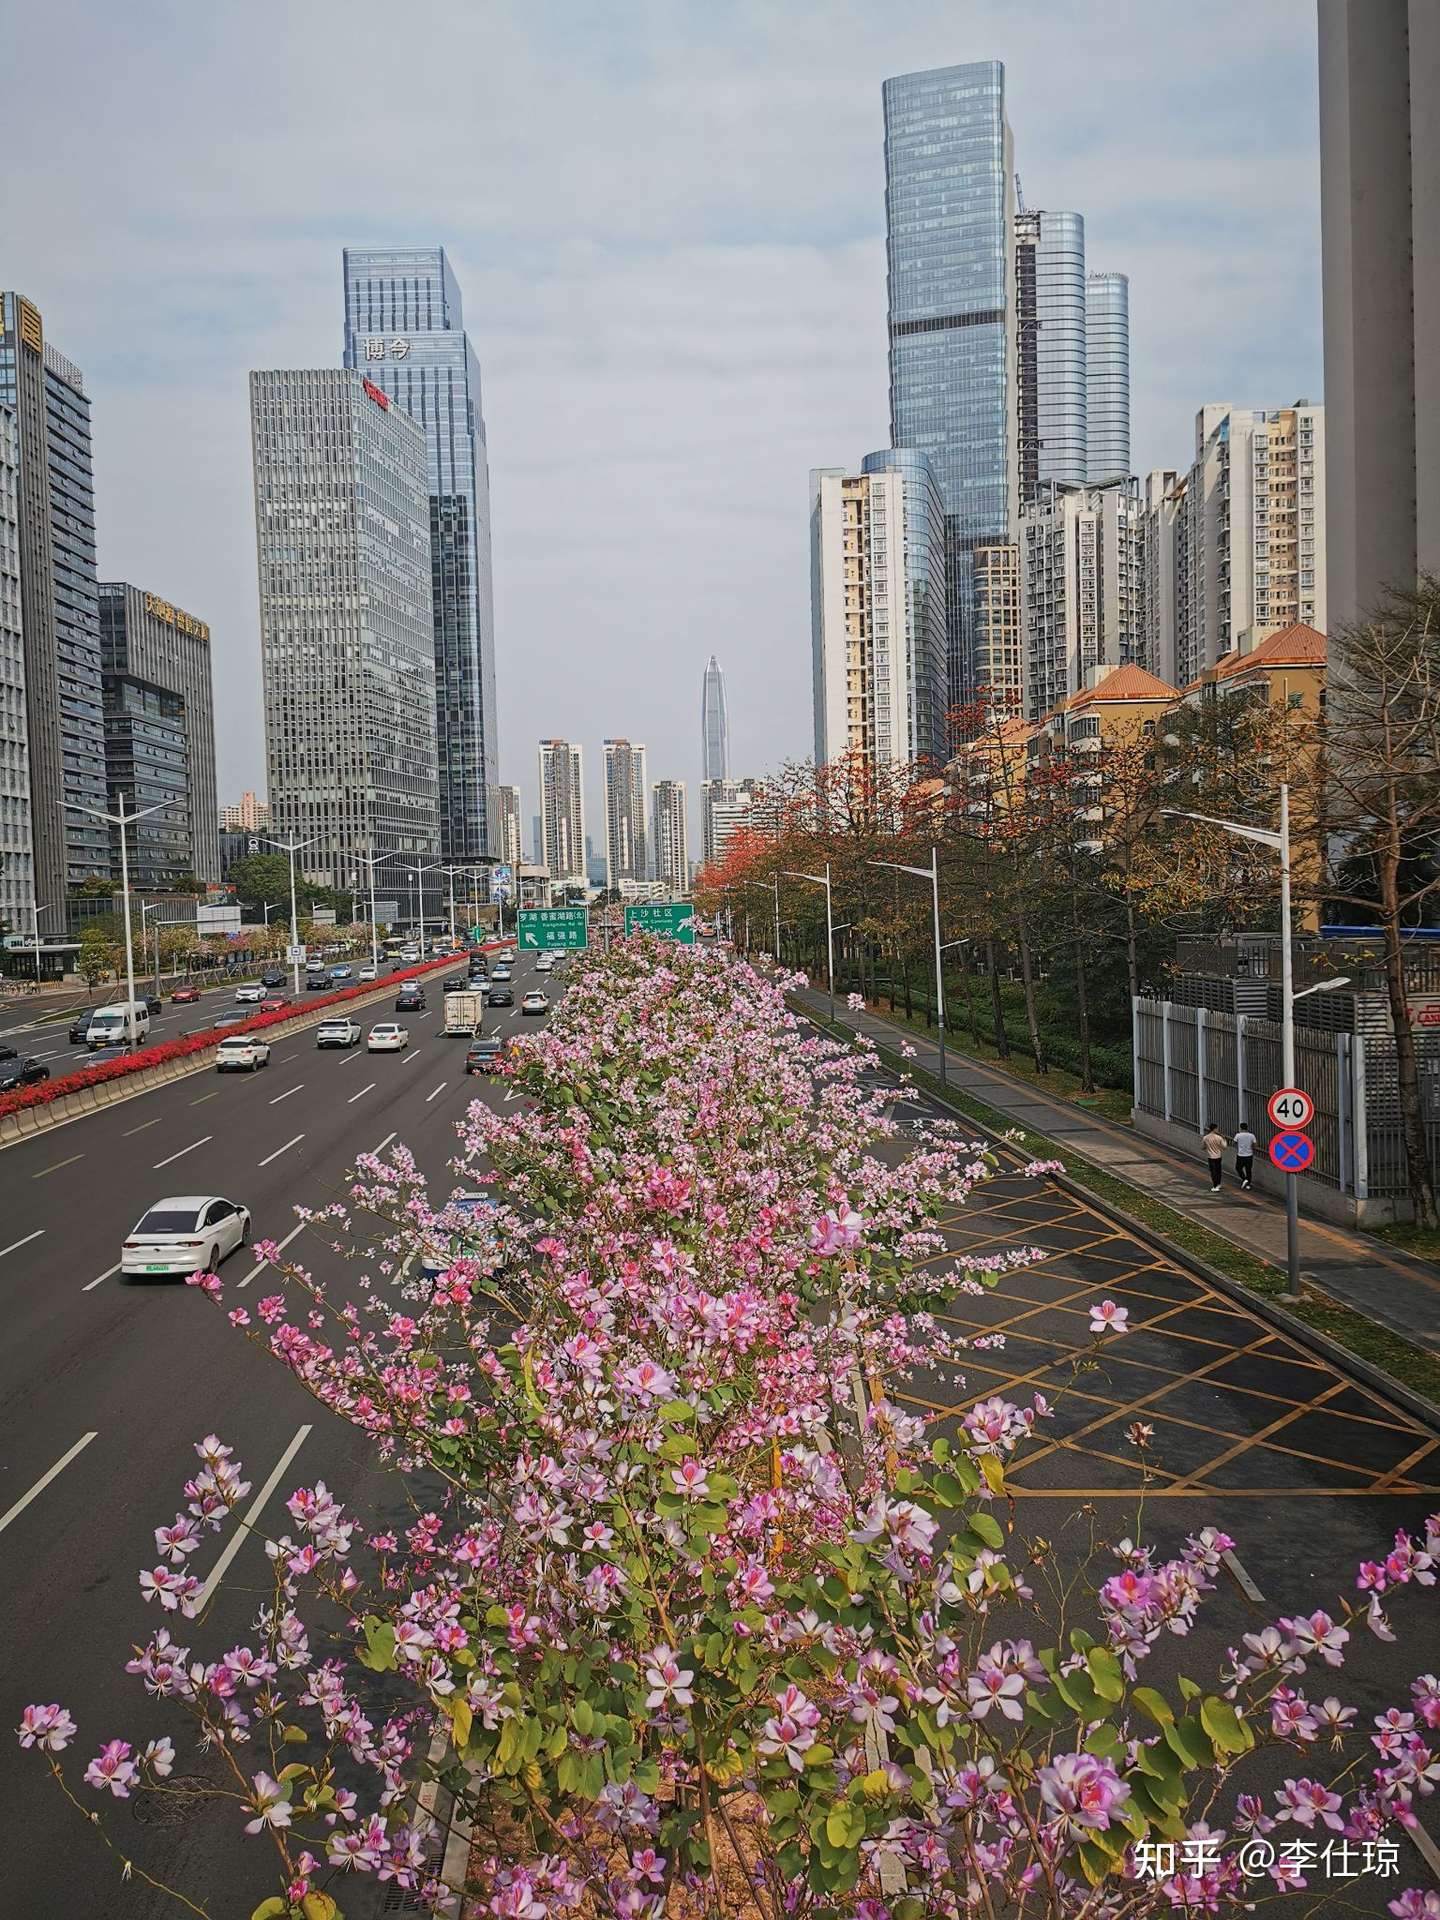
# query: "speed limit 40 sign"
{"type": "Point", "coordinates": [1291, 1109]}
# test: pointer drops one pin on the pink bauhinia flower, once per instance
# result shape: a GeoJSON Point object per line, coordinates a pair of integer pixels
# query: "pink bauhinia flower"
{"type": "Point", "coordinates": [49, 1727]}
{"type": "Point", "coordinates": [1106, 1317]}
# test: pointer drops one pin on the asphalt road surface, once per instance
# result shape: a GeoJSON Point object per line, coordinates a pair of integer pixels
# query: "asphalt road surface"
{"type": "Point", "coordinates": [105, 1385]}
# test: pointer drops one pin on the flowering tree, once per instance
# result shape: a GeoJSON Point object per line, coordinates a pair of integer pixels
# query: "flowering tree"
{"type": "Point", "coordinates": [708, 1621]}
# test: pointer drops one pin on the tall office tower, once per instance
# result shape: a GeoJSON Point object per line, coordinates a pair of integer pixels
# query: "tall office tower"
{"type": "Point", "coordinates": [1255, 532]}
{"type": "Point", "coordinates": [405, 329]}
{"type": "Point", "coordinates": [714, 725]}
{"type": "Point", "coordinates": [251, 816]}
{"type": "Point", "coordinates": [18, 897]}
{"type": "Point", "coordinates": [1163, 573]}
{"type": "Point", "coordinates": [1080, 588]}
{"type": "Point", "coordinates": [672, 837]}
{"type": "Point", "coordinates": [64, 711]}
{"type": "Point", "coordinates": [149, 639]}
{"type": "Point", "coordinates": [562, 812]}
{"type": "Point", "coordinates": [1107, 377]}
{"type": "Point", "coordinates": [147, 761]}
{"type": "Point", "coordinates": [507, 826]}
{"type": "Point", "coordinates": [950, 211]}
{"type": "Point", "coordinates": [537, 839]}
{"type": "Point", "coordinates": [1380, 255]}
{"type": "Point", "coordinates": [626, 795]}
{"type": "Point", "coordinates": [877, 611]}
{"type": "Point", "coordinates": [342, 531]}
{"type": "Point", "coordinates": [1050, 349]}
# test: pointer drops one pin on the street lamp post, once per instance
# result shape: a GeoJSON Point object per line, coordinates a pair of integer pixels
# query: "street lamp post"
{"type": "Point", "coordinates": [292, 847]}
{"type": "Point", "coordinates": [371, 861]}
{"type": "Point", "coordinates": [122, 820]}
{"type": "Point", "coordinates": [36, 910]}
{"type": "Point", "coordinates": [154, 907]}
{"type": "Point", "coordinates": [822, 880]}
{"type": "Point", "coordinates": [1278, 842]}
{"type": "Point", "coordinates": [932, 874]}
{"type": "Point", "coordinates": [418, 899]}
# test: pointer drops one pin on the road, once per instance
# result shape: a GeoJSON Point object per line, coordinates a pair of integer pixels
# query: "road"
{"type": "Point", "coordinates": [105, 1385]}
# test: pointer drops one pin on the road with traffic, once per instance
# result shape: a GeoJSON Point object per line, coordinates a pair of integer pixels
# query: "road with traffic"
{"type": "Point", "coordinates": [106, 1384]}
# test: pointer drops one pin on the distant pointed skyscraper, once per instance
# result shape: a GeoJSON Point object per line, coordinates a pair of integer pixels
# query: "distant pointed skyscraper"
{"type": "Point", "coordinates": [714, 726]}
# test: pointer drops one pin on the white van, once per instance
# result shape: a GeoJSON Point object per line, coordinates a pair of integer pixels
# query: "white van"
{"type": "Point", "coordinates": [124, 1023]}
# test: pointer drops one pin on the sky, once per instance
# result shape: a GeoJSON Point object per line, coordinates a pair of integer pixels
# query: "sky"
{"type": "Point", "coordinates": [667, 220]}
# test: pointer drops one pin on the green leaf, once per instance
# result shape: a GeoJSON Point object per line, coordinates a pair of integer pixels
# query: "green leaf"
{"type": "Point", "coordinates": [319, 1906]}
{"type": "Point", "coordinates": [1188, 1688]}
{"type": "Point", "coordinates": [272, 1909]}
{"type": "Point", "coordinates": [1225, 1727]}
{"type": "Point", "coordinates": [1187, 1738]}
{"type": "Point", "coordinates": [461, 1719]}
{"type": "Point", "coordinates": [1104, 1742]}
{"type": "Point", "coordinates": [845, 1825]}
{"type": "Point", "coordinates": [294, 1736]}
{"type": "Point", "coordinates": [677, 1413]}
{"type": "Point", "coordinates": [1106, 1672]}
{"type": "Point", "coordinates": [988, 1528]}
{"type": "Point", "coordinates": [582, 1714]}
{"type": "Point", "coordinates": [1155, 1704]}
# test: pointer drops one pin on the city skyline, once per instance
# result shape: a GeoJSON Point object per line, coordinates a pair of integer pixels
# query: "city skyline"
{"type": "Point", "coordinates": [738, 273]}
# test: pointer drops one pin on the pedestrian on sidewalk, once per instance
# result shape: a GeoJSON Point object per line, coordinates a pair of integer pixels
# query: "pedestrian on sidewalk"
{"type": "Point", "coordinates": [1214, 1143]}
{"type": "Point", "coordinates": [1245, 1145]}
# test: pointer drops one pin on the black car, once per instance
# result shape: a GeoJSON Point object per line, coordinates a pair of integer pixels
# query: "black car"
{"type": "Point", "coordinates": [500, 996]}
{"type": "Point", "coordinates": [8, 1053]}
{"type": "Point", "coordinates": [456, 983]}
{"type": "Point", "coordinates": [410, 999]}
{"type": "Point", "coordinates": [153, 1003]}
{"type": "Point", "coordinates": [21, 1073]}
{"type": "Point", "coordinates": [485, 1053]}
{"type": "Point", "coordinates": [318, 983]}
{"type": "Point", "coordinates": [234, 1018]}
{"type": "Point", "coordinates": [80, 1027]}
{"type": "Point", "coordinates": [272, 977]}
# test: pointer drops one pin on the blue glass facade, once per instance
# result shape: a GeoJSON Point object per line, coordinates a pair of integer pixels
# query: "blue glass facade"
{"type": "Point", "coordinates": [949, 206]}
{"type": "Point", "coordinates": [405, 331]}
{"type": "Point", "coordinates": [1107, 326]}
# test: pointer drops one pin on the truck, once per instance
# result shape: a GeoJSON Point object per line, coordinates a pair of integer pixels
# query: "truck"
{"type": "Point", "coordinates": [463, 1012]}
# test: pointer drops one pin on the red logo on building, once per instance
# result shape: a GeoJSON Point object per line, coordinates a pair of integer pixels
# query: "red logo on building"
{"type": "Point", "coordinates": [377, 394]}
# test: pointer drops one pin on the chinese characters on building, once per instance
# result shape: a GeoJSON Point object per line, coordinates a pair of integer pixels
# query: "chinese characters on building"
{"type": "Point", "coordinates": [396, 349]}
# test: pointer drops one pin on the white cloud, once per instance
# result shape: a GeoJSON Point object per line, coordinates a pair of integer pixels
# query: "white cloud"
{"type": "Point", "coordinates": [667, 220]}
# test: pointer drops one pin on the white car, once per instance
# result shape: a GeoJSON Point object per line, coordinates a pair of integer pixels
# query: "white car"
{"type": "Point", "coordinates": [409, 955]}
{"type": "Point", "coordinates": [338, 1033]}
{"type": "Point", "coordinates": [500, 973]}
{"type": "Point", "coordinates": [368, 971]}
{"type": "Point", "coordinates": [242, 1053]}
{"type": "Point", "coordinates": [191, 1234]}
{"type": "Point", "coordinates": [534, 1002]}
{"type": "Point", "coordinates": [545, 964]}
{"type": "Point", "coordinates": [388, 1036]}
{"type": "Point", "coordinates": [250, 992]}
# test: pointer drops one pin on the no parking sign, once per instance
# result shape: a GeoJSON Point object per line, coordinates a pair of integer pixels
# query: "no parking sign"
{"type": "Point", "coordinates": [1292, 1152]}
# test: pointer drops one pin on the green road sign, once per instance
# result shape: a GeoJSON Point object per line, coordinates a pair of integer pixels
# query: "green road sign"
{"type": "Point", "coordinates": [670, 919]}
{"type": "Point", "coordinates": [566, 928]}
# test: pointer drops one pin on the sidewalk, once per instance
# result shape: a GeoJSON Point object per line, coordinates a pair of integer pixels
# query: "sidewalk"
{"type": "Point", "coordinates": [1380, 1282]}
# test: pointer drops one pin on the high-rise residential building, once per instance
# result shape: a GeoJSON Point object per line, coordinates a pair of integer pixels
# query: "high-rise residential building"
{"type": "Point", "coordinates": [150, 639]}
{"type": "Point", "coordinates": [877, 611]}
{"type": "Point", "coordinates": [64, 709]}
{"type": "Point", "coordinates": [1107, 377]}
{"type": "Point", "coordinates": [342, 529]}
{"type": "Point", "coordinates": [562, 812]}
{"type": "Point", "coordinates": [950, 255]}
{"type": "Point", "coordinates": [714, 725]}
{"type": "Point", "coordinates": [672, 837]}
{"type": "Point", "coordinates": [1255, 528]}
{"type": "Point", "coordinates": [147, 761]}
{"type": "Point", "coordinates": [626, 798]}
{"type": "Point", "coordinates": [252, 815]}
{"type": "Point", "coordinates": [999, 647]}
{"type": "Point", "coordinates": [724, 812]}
{"type": "Point", "coordinates": [1050, 349]}
{"type": "Point", "coordinates": [506, 811]}
{"type": "Point", "coordinates": [1380, 253]}
{"type": "Point", "coordinates": [1079, 588]}
{"type": "Point", "coordinates": [18, 897]}
{"type": "Point", "coordinates": [405, 330]}
{"type": "Point", "coordinates": [1164, 572]}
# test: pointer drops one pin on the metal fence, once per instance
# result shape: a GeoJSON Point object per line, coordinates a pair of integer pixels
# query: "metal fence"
{"type": "Point", "coordinates": [1194, 1065]}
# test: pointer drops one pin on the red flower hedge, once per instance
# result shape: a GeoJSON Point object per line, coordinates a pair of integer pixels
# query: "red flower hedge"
{"type": "Point", "coordinates": [192, 1043]}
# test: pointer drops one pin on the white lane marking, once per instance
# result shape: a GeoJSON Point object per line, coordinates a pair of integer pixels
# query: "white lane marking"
{"type": "Point", "coordinates": [15, 1245]}
{"type": "Point", "coordinates": [237, 1539]}
{"type": "Point", "coordinates": [90, 1285]}
{"type": "Point", "coordinates": [383, 1144]}
{"type": "Point", "coordinates": [54, 1055]}
{"type": "Point", "coordinates": [203, 1098]}
{"type": "Point", "coordinates": [279, 1150]}
{"type": "Point", "coordinates": [287, 1093]}
{"type": "Point", "coordinates": [1242, 1579]}
{"type": "Point", "coordinates": [280, 1248]}
{"type": "Point", "coordinates": [45, 1479]}
{"type": "Point", "coordinates": [410, 1056]}
{"type": "Point", "coordinates": [1426, 1848]}
{"type": "Point", "coordinates": [350, 1057]}
{"type": "Point", "coordinates": [57, 1166]}
{"type": "Point", "coordinates": [183, 1151]}
{"type": "Point", "coordinates": [440, 1089]}
{"type": "Point", "coordinates": [364, 1090]}
{"type": "Point", "coordinates": [142, 1126]}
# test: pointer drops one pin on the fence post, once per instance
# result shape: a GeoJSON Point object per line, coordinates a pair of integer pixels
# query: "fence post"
{"type": "Point", "coordinates": [1165, 1053]}
{"type": "Point", "coordinates": [1202, 1099]}
{"type": "Point", "coordinates": [1342, 1102]}
{"type": "Point", "coordinates": [1240, 1112]}
{"type": "Point", "coordinates": [1359, 1118]}
{"type": "Point", "coordinates": [1135, 1053]}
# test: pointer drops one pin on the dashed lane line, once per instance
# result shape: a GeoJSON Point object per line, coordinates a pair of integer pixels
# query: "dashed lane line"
{"type": "Point", "coordinates": [361, 1095]}
{"type": "Point", "coordinates": [281, 1245]}
{"type": "Point", "coordinates": [15, 1245]}
{"type": "Point", "coordinates": [57, 1166]}
{"type": "Point", "coordinates": [40, 1485]}
{"type": "Point", "coordinates": [287, 1093]}
{"type": "Point", "coordinates": [279, 1150]}
{"type": "Point", "coordinates": [170, 1158]}
{"type": "Point", "coordinates": [257, 1506]}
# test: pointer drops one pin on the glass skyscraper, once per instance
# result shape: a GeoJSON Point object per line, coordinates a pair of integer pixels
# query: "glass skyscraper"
{"type": "Point", "coordinates": [714, 725]}
{"type": "Point", "coordinates": [1107, 375]}
{"type": "Point", "coordinates": [1052, 346]}
{"type": "Point", "coordinates": [405, 331]}
{"type": "Point", "coordinates": [950, 206]}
